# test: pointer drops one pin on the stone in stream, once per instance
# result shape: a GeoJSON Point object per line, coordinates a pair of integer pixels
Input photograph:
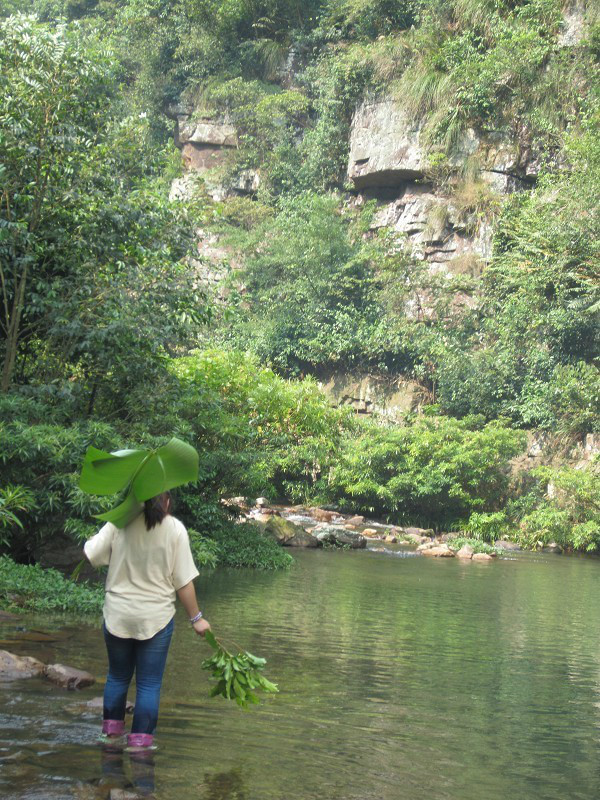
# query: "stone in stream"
{"type": "Point", "coordinates": [321, 515]}
{"type": "Point", "coordinates": [262, 517]}
{"type": "Point", "coordinates": [483, 556]}
{"type": "Point", "coordinates": [504, 544]}
{"type": "Point", "coordinates": [350, 527]}
{"type": "Point", "coordinates": [68, 677]}
{"type": "Point", "coordinates": [418, 532]}
{"type": "Point", "coordinates": [356, 520]}
{"type": "Point", "coordinates": [13, 667]}
{"type": "Point", "coordinates": [261, 501]}
{"type": "Point", "coordinates": [466, 551]}
{"type": "Point", "coordinates": [391, 538]}
{"type": "Point", "coordinates": [552, 547]}
{"type": "Point", "coordinates": [342, 537]}
{"type": "Point", "coordinates": [350, 538]}
{"type": "Point", "coordinates": [370, 532]}
{"type": "Point", "coordinates": [438, 550]}
{"type": "Point", "coordinates": [288, 534]}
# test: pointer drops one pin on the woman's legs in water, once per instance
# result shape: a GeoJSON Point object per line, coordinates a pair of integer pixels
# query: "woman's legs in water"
{"type": "Point", "coordinates": [121, 663]}
{"type": "Point", "coordinates": [150, 661]}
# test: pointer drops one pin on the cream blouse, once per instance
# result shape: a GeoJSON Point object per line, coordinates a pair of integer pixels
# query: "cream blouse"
{"type": "Point", "coordinates": [145, 569]}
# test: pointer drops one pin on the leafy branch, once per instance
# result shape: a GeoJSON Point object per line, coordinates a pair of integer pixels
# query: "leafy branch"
{"type": "Point", "coordinates": [238, 676]}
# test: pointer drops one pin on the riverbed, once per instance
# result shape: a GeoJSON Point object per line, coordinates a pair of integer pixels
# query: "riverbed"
{"type": "Point", "coordinates": [401, 678]}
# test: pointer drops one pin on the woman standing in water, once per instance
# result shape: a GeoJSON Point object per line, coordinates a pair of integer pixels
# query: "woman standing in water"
{"type": "Point", "coordinates": [149, 563]}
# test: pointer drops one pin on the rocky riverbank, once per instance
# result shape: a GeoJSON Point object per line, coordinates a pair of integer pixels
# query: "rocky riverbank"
{"type": "Point", "coordinates": [312, 526]}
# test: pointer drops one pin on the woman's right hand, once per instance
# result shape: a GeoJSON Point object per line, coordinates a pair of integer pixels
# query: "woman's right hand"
{"type": "Point", "coordinates": [201, 627]}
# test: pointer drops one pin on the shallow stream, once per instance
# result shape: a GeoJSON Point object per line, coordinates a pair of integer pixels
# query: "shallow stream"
{"type": "Point", "coordinates": [402, 678]}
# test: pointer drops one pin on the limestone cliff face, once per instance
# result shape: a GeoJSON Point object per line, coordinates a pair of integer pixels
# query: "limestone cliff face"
{"type": "Point", "coordinates": [442, 217]}
{"type": "Point", "coordinates": [387, 161]}
{"type": "Point", "coordinates": [206, 144]}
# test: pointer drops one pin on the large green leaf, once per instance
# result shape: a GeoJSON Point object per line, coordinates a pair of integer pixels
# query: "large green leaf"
{"type": "Point", "coordinates": [180, 461]}
{"type": "Point", "coordinates": [151, 479]}
{"type": "Point", "coordinates": [107, 473]}
{"type": "Point", "coordinates": [124, 513]}
{"type": "Point", "coordinates": [145, 473]}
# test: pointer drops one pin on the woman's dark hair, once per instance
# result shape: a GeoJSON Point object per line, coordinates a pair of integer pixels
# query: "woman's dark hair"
{"type": "Point", "coordinates": [156, 509]}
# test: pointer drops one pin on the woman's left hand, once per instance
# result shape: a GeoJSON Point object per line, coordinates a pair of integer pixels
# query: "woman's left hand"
{"type": "Point", "coordinates": [201, 627]}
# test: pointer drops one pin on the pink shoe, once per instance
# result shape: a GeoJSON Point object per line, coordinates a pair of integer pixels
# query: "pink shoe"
{"type": "Point", "coordinates": [140, 741]}
{"type": "Point", "coordinates": [113, 727]}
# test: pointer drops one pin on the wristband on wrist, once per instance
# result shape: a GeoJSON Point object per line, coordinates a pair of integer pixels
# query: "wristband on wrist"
{"type": "Point", "coordinates": [196, 618]}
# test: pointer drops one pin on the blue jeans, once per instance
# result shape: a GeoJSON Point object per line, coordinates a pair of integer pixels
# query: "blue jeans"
{"type": "Point", "coordinates": [148, 658]}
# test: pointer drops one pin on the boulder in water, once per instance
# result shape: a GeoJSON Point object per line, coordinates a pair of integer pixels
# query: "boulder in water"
{"type": "Point", "coordinates": [357, 519]}
{"type": "Point", "coordinates": [288, 534]}
{"type": "Point", "coordinates": [341, 537]}
{"type": "Point", "coordinates": [483, 556]}
{"type": "Point", "coordinates": [438, 550]}
{"type": "Point", "coordinates": [68, 677]}
{"type": "Point", "coordinates": [321, 515]}
{"type": "Point", "coordinates": [13, 667]}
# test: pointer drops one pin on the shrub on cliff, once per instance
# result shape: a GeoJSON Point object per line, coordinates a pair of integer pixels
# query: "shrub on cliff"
{"type": "Point", "coordinates": [562, 507]}
{"type": "Point", "coordinates": [533, 355]}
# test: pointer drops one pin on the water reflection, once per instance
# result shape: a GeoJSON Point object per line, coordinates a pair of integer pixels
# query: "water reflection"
{"type": "Point", "coordinates": [141, 767]}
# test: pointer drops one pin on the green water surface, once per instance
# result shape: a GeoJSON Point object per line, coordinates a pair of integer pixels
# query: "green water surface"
{"type": "Point", "coordinates": [402, 678]}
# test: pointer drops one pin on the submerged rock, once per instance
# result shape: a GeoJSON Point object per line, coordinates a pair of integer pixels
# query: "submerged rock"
{"type": "Point", "coordinates": [483, 556]}
{"type": "Point", "coordinates": [13, 667]}
{"type": "Point", "coordinates": [68, 677]}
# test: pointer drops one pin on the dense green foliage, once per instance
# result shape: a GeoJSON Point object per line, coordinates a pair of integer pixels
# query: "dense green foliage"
{"type": "Point", "coordinates": [31, 587]}
{"type": "Point", "coordinates": [562, 507]}
{"type": "Point", "coordinates": [43, 455]}
{"type": "Point", "coordinates": [312, 269]}
{"type": "Point", "coordinates": [89, 244]}
{"type": "Point", "coordinates": [533, 354]}
{"type": "Point", "coordinates": [435, 470]}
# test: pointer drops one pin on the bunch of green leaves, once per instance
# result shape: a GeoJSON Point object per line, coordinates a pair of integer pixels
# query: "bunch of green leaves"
{"type": "Point", "coordinates": [238, 676]}
{"type": "Point", "coordinates": [12, 500]}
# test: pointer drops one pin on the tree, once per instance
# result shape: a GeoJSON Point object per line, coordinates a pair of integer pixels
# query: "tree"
{"type": "Point", "coordinates": [53, 101]}
{"type": "Point", "coordinates": [92, 269]}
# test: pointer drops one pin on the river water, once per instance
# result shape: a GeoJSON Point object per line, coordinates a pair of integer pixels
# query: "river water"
{"type": "Point", "coordinates": [401, 677]}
